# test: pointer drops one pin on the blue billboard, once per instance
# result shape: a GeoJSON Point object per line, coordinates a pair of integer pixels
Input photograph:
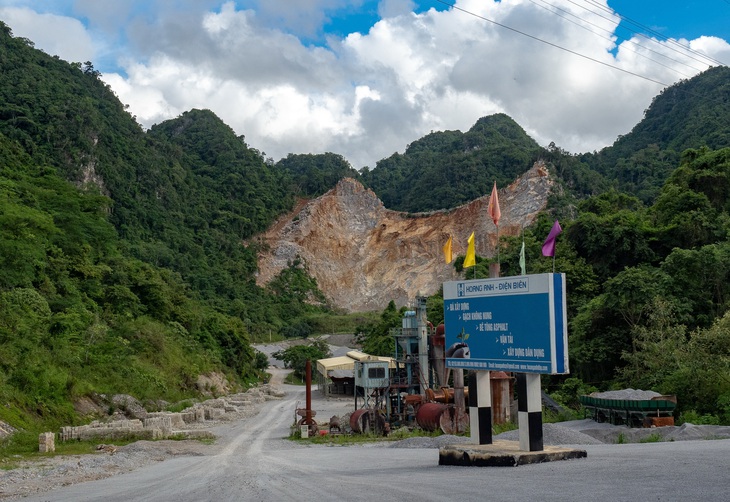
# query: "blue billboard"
{"type": "Point", "coordinates": [507, 324]}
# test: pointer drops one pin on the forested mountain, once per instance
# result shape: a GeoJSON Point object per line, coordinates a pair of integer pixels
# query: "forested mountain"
{"type": "Point", "coordinates": [446, 169]}
{"type": "Point", "coordinates": [313, 175]}
{"type": "Point", "coordinates": [690, 114]}
{"type": "Point", "coordinates": [122, 264]}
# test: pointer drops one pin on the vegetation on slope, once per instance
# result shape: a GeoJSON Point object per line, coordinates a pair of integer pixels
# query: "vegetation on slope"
{"type": "Point", "coordinates": [123, 268]}
{"type": "Point", "coordinates": [690, 114]}
{"type": "Point", "coordinates": [447, 169]}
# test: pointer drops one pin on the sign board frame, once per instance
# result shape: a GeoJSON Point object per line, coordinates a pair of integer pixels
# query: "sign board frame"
{"type": "Point", "coordinates": [514, 323]}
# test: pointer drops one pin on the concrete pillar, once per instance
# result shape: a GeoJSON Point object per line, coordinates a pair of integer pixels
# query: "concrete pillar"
{"type": "Point", "coordinates": [480, 407]}
{"type": "Point", "coordinates": [529, 411]}
{"type": "Point", "coordinates": [46, 442]}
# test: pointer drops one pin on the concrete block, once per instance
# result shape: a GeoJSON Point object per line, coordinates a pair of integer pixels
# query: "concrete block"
{"type": "Point", "coordinates": [46, 442]}
{"type": "Point", "coordinates": [502, 454]}
{"type": "Point", "coordinates": [214, 413]}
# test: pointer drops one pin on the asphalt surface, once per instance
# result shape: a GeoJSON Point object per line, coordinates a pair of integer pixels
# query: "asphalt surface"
{"type": "Point", "coordinates": [256, 463]}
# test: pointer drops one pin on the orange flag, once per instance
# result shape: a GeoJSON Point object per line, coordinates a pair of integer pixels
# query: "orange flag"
{"type": "Point", "coordinates": [494, 211]}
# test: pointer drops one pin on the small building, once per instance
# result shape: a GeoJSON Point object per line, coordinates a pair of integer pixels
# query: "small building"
{"type": "Point", "coordinates": [336, 375]}
{"type": "Point", "coordinates": [372, 380]}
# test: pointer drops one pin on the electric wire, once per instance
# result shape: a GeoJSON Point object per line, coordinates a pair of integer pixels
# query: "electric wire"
{"type": "Point", "coordinates": [582, 26]}
{"type": "Point", "coordinates": [560, 47]}
{"type": "Point", "coordinates": [658, 35]}
{"type": "Point", "coordinates": [669, 41]}
{"type": "Point", "coordinates": [632, 32]}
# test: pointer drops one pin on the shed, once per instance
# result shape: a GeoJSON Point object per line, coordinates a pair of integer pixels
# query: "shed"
{"type": "Point", "coordinates": [336, 375]}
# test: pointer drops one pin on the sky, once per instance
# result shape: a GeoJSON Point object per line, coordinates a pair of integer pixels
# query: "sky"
{"type": "Point", "coordinates": [365, 78]}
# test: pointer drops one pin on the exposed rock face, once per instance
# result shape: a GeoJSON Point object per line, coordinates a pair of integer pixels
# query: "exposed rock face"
{"type": "Point", "coordinates": [364, 255]}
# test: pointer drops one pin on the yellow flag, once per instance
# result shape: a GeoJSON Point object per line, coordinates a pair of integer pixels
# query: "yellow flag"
{"type": "Point", "coordinates": [448, 256]}
{"type": "Point", "coordinates": [470, 259]}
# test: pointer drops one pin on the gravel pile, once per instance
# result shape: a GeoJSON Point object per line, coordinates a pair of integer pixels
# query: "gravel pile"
{"type": "Point", "coordinates": [627, 394]}
{"type": "Point", "coordinates": [554, 435]}
{"type": "Point", "coordinates": [45, 473]}
{"type": "Point", "coordinates": [582, 432]}
{"type": "Point", "coordinates": [430, 442]}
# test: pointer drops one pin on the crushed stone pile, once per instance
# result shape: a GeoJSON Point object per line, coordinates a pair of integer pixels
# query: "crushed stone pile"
{"type": "Point", "coordinates": [627, 394]}
{"type": "Point", "coordinates": [430, 442]}
{"type": "Point", "coordinates": [585, 432]}
{"type": "Point", "coordinates": [554, 435]}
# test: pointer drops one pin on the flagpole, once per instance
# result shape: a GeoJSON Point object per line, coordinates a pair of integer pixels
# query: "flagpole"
{"type": "Point", "coordinates": [497, 243]}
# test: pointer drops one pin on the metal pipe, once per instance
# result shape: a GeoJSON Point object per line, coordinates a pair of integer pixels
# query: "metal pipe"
{"type": "Point", "coordinates": [308, 372]}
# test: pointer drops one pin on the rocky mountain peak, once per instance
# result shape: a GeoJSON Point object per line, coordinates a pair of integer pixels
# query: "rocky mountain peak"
{"type": "Point", "coordinates": [364, 255]}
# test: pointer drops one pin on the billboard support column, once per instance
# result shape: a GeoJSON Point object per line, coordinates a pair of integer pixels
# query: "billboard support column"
{"type": "Point", "coordinates": [480, 407]}
{"type": "Point", "coordinates": [529, 411]}
{"type": "Point", "coordinates": [480, 395]}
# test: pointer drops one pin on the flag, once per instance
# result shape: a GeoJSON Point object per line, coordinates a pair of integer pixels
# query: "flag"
{"type": "Point", "coordinates": [548, 249]}
{"type": "Point", "coordinates": [448, 256]}
{"type": "Point", "coordinates": [493, 208]}
{"type": "Point", "coordinates": [470, 259]}
{"type": "Point", "coordinates": [522, 259]}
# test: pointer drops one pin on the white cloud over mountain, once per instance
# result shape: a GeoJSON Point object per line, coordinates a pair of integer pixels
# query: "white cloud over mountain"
{"type": "Point", "coordinates": [370, 94]}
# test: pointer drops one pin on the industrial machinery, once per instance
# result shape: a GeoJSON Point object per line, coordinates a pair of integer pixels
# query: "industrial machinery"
{"type": "Point", "coordinates": [414, 387]}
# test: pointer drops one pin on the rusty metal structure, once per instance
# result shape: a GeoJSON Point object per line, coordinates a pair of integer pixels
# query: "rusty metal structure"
{"type": "Point", "coordinates": [307, 413]}
{"type": "Point", "coordinates": [424, 391]}
{"type": "Point", "coordinates": [416, 387]}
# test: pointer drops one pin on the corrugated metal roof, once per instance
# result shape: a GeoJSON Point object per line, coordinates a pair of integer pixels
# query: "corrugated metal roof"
{"type": "Point", "coordinates": [335, 363]}
{"type": "Point", "coordinates": [348, 362]}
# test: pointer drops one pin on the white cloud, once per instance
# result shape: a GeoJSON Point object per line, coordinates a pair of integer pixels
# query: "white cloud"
{"type": "Point", "coordinates": [394, 8]}
{"type": "Point", "coordinates": [371, 94]}
{"type": "Point", "coordinates": [56, 35]}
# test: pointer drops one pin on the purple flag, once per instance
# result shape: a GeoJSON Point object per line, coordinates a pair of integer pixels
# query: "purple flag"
{"type": "Point", "coordinates": [548, 249]}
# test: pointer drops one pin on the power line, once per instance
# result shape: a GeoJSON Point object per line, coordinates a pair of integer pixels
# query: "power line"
{"type": "Point", "coordinates": [656, 34]}
{"type": "Point", "coordinates": [551, 44]}
{"type": "Point", "coordinates": [610, 39]}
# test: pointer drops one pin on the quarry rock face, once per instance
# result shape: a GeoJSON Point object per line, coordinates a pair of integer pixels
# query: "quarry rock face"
{"type": "Point", "coordinates": [364, 255]}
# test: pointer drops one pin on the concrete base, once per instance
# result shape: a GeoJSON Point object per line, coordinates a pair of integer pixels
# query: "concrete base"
{"type": "Point", "coordinates": [502, 454]}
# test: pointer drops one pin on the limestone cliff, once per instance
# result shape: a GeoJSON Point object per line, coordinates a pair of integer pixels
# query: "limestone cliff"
{"type": "Point", "coordinates": [364, 255]}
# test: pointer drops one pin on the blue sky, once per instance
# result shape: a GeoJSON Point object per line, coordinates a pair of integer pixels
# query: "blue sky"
{"type": "Point", "coordinates": [678, 19]}
{"type": "Point", "coordinates": [365, 78]}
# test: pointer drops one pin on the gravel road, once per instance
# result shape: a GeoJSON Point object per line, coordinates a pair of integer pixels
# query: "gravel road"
{"type": "Point", "coordinates": [251, 461]}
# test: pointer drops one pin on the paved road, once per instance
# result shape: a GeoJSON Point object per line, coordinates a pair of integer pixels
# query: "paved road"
{"type": "Point", "coordinates": [256, 464]}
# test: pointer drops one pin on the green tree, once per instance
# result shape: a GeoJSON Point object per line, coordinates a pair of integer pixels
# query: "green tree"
{"type": "Point", "coordinates": [296, 357]}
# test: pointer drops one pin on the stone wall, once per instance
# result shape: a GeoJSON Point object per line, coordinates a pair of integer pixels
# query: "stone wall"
{"type": "Point", "coordinates": [161, 425]}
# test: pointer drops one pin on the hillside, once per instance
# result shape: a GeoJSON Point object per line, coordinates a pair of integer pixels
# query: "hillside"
{"type": "Point", "coordinates": [690, 114]}
{"type": "Point", "coordinates": [121, 256]}
{"type": "Point", "coordinates": [448, 168]}
{"type": "Point", "coordinates": [445, 169]}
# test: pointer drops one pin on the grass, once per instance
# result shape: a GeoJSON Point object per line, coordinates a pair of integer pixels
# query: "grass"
{"type": "Point", "coordinates": [293, 379]}
{"type": "Point", "coordinates": [500, 428]}
{"type": "Point", "coordinates": [23, 447]}
{"type": "Point", "coordinates": [352, 439]}
{"type": "Point", "coordinates": [181, 405]}
{"type": "Point", "coordinates": [652, 438]}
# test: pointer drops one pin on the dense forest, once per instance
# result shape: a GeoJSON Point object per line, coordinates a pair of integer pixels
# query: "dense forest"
{"type": "Point", "coordinates": [122, 264]}
{"type": "Point", "coordinates": [127, 257]}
